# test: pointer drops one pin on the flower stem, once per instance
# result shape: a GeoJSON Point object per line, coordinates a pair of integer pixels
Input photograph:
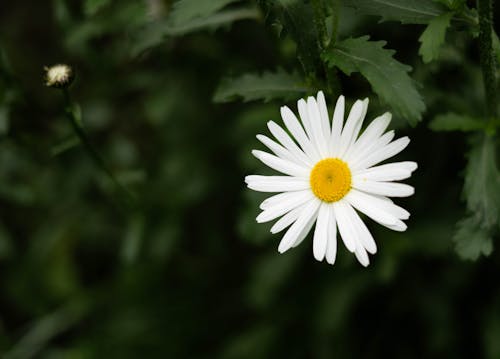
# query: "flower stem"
{"type": "Point", "coordinates": [487, 55]}
{"type": "Point", "coordinates": [324, 41]}
{"type": "Point", "coordinates": [76, 124]}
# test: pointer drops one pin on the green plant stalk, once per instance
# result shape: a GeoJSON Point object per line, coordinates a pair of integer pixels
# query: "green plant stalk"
{"type": "Point", "coordinates": [94, 155]}
{"type": "Point", "coordinates": [324, 41]}
{"type": "Point", "coordinates": [335, 20]}
{"type": "Point", "coordinates": [319, 23]}
{"type": "Point", "coordinates": [487, 55]}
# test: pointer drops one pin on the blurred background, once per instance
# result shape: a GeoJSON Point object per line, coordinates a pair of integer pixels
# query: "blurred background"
{"type": "Point", "coordinates": [187, 272]}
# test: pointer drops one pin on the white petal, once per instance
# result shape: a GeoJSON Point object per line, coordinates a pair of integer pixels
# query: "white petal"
{"type": "Point", "coordinates": [331, 248]}
{"type": "Point", "coordinates": [346, 231]}
{"type": "Point", "coordinates": [374, 130]}
{"type": "Point", "coordinates": [364, 235]}
{"type": "Point", "coordinates": [389, 172]}
{"type": "Point", "coordinates": [388, 206]}
{"type": "Point", "coordinates": [278, 150]}
{"type": "Point", "coordinates": [293, 125]}
{"type": "Point", "coordinates": [352, 126]}
{"type": "Point", "coordinates": [280, 197]}
{"type": "Point", "coordinates": [276, 183]}
{"type": "Point", "coordinates": [337, 123]}
{"type": "Point", "coordinates": [310, 211]}
{"type": "Point", "coordinates": [383, 153]}
{"type": "Point", "coordinates": [323, 111]}
{"type": "Point", "coordinates": [294, 200]}
{"type": "Point", "coordinates": [286, 220]}
{"type": "Point", "coordinates": [303, 234]}
{"type": "Point", "coordinates": [288, 143]}
{"type": "Point", "coordinates": [389, 189]}
{"type": "Point", "coordinates": [370, 206]}
{"type": "Point", "coordinates": [362, 256]}
{"type": "Point", "coordinates": [304, 117]}
{"type": "Point", "coordinates": [317, 130]}
{"type": "Point", "coordinates": [381, 211]}
{"type": "Point", "coordinates": [379, 143]}
{"type": "Point", "coordinates": [320, 240]}
{"type": "Point", "coordinates": [400, 226]}
{"type": "Point", "coordinates": [281, 165]}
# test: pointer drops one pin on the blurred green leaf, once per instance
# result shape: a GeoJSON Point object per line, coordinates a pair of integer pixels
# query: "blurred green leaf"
{"type": "Point", "coordinates": [65, 145]}
{"type": "Point", "coordinates": [456, 122]}
{"type": "Point", "coordinates": [295, 17]}
{"type": "Point", "coordinates": [92, 6]}
{"type": "Point", "coordinates": [472, 240]}
{"type": "Point", "coordinates": [452, 4]}
{"type": "Point", "coordinates": [155, 33]}
{"type": "Point", "coordinates": [496, 46]}
{"type": "Point", "coordinates": [252, 343]}
{"type": "Point", "coordinates": [46, 328]}
{"type": "Point", "coordinates": [388, 77]}
{"type": "Point", "coordinates": [132, 242]}
{"type": "Point", "coordinates": [482, 182]}
{"type": "Point", "coordinates": [186, 10]}
{"type": "Point", "coordinates": [433, 37]}
{"type": "Point", "coordinates": [404, 11]}
{"type": "Point", "coordinates": [269, 275]}
{"type": "Point", "coordinates": [4, 120]}
{"type": "Point", "coordinates": [266, 86]}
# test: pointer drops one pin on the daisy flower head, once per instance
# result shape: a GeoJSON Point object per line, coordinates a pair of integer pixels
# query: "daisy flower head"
{"type": "Point", "coordinates": [329, 172]}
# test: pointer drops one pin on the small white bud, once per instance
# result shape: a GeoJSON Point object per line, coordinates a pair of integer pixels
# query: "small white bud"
{"type": "Point", "coordinates": [59, 76]}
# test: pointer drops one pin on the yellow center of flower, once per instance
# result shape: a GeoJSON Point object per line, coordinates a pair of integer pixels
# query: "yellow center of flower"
{"type": "Point", "coordinates": [330, 179]}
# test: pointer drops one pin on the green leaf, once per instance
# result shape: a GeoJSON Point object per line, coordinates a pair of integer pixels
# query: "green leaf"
{"type": "Point", "coordinates": [91, 7]}
{"type": "Point", "coordinates": [157, 32]}
{"type": "Point", "coordinates": [186, 10]}
{"type": "Point", "coordinates": [4, 120]}
{"type": "Point", "coordinates": [482, 182]}
{"type": "Point", "coordinates": [452, 4]}
{"type": "Point", "coordinates": [456, 122]}
{"type": "Point", "coordinates": [296, 18]}
{"type": "Point", "coordinates": [404, 11]}
{"type": "Point", "coordinates": [472, 240]}
{"type": "Point", "coordinates": [433, 37]}
{"type": "Point", "coordinates": [266, 86]}
{"type": "Point", "coordinates": [388, 77]}
{"type": "Point", "coordinates": [496, 46]}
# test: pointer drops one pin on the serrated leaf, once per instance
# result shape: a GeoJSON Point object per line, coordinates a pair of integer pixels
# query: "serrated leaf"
{"type": "Point", "coordinates": [266, 86]}
{"type": "Point", "coordinates": [472, 240]}
{"type": "Point", "coordinates": [404, 11]}
{"type": "Point", "coordinates": [433, 37]}
{"type": "Point", "coordinates": [482, 182]}
{"type": "Point", "coordinates": [91, 7]}
{"type": "Point", "coordinates": [455, 122]}
{"type": "Point", "coordinates": [186, 10]}
{"type": "Point", "coordinates": [388, 77]}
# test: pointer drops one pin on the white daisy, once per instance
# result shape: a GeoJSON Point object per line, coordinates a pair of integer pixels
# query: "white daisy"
{"type": "Point", "coordinates": [329, 173]}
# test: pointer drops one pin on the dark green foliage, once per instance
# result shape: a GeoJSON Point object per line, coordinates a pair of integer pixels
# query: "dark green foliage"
{"type": "Point", "coordinates": [482, 182]}
{"type": "Point", "coordinates": [472, 240]}
{"type": "Point", "coordinates": [296, 18]}
{"type": "Point", "coordinates": [456, 122]}
{"type": "Point", "coordinates": [404, 11]}
{"type": "Point", "coordinates": [187, 272]}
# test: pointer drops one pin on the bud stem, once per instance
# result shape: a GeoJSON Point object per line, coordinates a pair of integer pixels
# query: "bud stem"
{"type": "Point", "coordinates": [94, 155]}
